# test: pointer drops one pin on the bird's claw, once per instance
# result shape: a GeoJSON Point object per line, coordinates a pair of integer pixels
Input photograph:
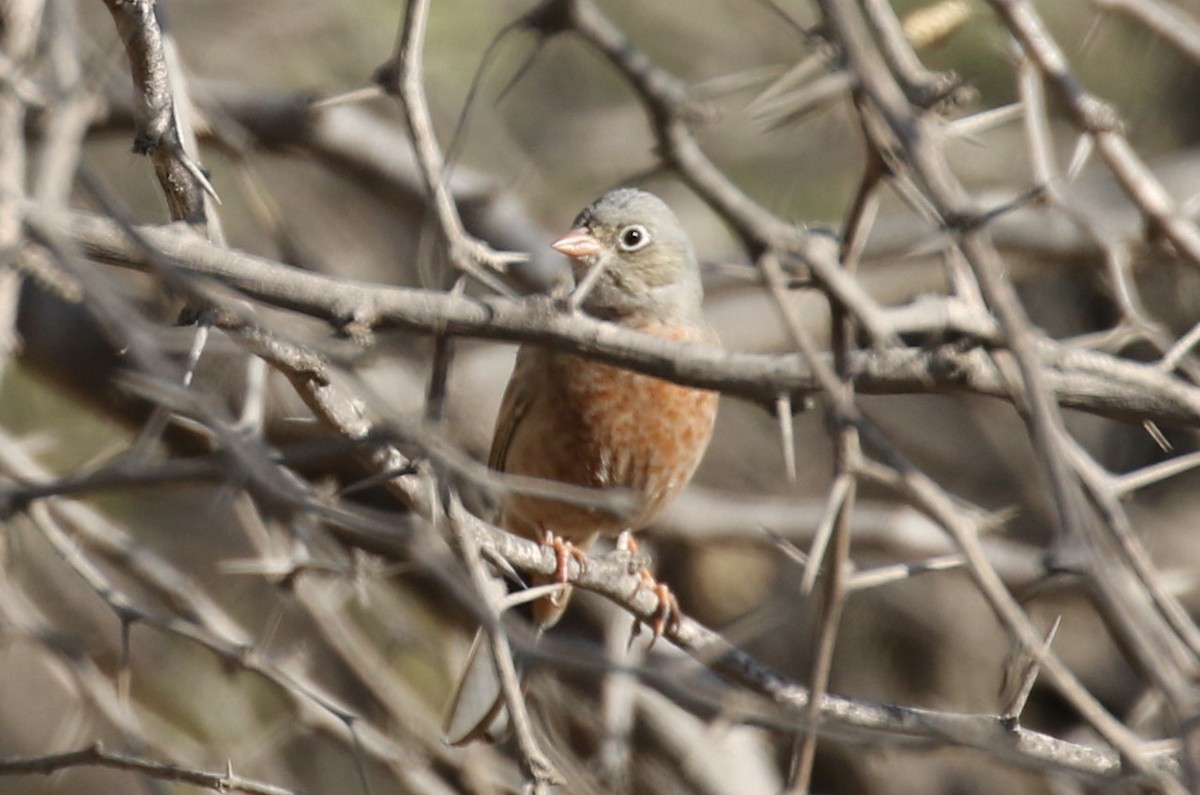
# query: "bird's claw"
{"type": "Point", "coordinates": [564, 552]}
{"type": "Point", "coordinates": [666, 617]}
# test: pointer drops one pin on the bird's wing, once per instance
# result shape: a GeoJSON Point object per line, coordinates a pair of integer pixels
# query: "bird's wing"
{"type": "Point", "coordinates": [514, 406]}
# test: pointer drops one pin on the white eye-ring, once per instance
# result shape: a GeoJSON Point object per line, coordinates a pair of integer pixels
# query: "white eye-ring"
{"type": "Point", "coordinates": [633, 238]}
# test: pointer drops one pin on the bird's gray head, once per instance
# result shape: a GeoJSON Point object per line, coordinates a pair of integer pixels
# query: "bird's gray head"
{"type": "Point", "coordinates": [648, 270]}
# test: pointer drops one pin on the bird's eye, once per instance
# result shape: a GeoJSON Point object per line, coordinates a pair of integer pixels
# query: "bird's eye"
{"type": "Point", "coordinates": [633, 237]}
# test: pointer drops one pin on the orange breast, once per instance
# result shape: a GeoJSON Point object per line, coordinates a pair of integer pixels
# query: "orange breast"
{"type": "Point", "coordinates": [601, 426]}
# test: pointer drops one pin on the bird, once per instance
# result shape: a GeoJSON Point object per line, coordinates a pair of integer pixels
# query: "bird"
{"type": "Point", "coordinates": [573, 420]}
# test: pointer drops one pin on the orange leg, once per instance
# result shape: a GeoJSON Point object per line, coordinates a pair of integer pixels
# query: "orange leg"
{"type": "Point", "coordinates": [564, 551]}
{"type": "Point", "coordinates": [668, 615]}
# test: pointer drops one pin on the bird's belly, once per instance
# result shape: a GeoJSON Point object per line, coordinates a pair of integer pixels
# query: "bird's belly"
{"type": "Point", "coordinates": [606, 427]}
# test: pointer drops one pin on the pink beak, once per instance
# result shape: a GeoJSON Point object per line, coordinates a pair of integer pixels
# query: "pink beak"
{"type": "Point", "coordinates": [577, 243]}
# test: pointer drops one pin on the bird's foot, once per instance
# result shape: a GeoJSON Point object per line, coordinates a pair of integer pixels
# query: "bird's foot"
{"type": "Point", "coordinates": [564, 552]}
{"type": "Point", "coordinates": [667, 616]}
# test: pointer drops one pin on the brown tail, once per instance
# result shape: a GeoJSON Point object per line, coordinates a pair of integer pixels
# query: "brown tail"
{"type": "Point", "coordinates": [477, 710]}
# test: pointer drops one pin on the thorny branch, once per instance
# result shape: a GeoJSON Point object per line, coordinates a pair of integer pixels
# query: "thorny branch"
{"type": "Point", "coordinates": [1080, 378]}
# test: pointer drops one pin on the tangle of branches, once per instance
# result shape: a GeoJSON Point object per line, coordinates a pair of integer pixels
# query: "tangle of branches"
{"type": "Point", "coordinates": [943, 538]}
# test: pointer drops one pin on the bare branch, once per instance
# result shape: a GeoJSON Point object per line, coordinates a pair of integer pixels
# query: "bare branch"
{"type": "Point", "coordinates": [1089, 381]}
{"type": "Point", "coordinates": [179, 174]}
{"type": "Point", "coordinates": [97, 755]}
